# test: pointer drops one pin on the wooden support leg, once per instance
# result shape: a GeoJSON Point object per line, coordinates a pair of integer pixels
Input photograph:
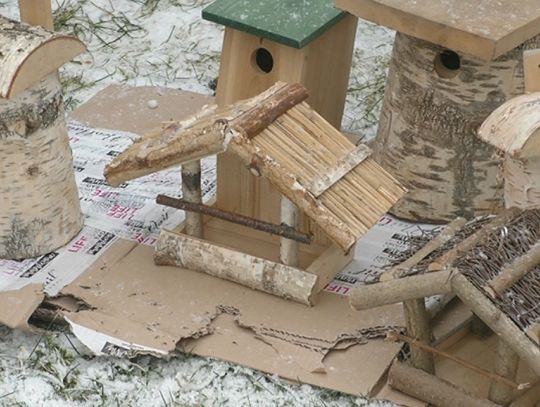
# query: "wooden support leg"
{"type": "Point", "coordinates": [191, 191]}
{"type": "Point", "coordinates": [506, 365]}
{"type": "Point", "coordinates": [37, 12]}
{"type": "Point", "coordinates": [418, 327]}
{"type": "Point", "coordinates": [288, 249]}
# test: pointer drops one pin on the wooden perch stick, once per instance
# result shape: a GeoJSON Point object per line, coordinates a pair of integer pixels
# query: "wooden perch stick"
{"type": "Point", "coordinates": [31, 54]}
{"type": "Point", "coordinates": [289, 248]}
{"type": "Point", "coordinates": [191, 192]}
{"type": "Point", "coordinates": [497, 321]}
{"type": "Point", "coordinates": [449, 231]}
{"type": "Point", "coordinates": [279, 230]}
{"type": "Point", "coordinates": [418, 326]}
{"type": "Point", "coordinates": [450, 256]}
{"type": "Point", "coordinates": [403, 289]}
{"type": "Point", "coordinates": [514, 272]}
{"type": "Point", "coordinates": [394, 336]}
{"type": "Point", "coordinates": [424, 386]}
{"type": "Point", "coordinates": [173, 249]}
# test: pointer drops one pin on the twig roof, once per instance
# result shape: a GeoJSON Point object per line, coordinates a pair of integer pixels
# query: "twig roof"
{"type": "Point", "coordinates": [330, 179]}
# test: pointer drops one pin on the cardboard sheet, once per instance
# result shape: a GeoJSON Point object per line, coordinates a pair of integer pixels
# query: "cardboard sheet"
{"type": "Point", "coordinates": [132, 306]}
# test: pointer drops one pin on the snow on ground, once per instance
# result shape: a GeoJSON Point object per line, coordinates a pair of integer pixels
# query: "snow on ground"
{"type": "Point", "coordinates": [166, 43]}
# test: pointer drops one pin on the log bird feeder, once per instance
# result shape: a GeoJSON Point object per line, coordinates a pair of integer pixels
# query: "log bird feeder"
{"type": "Point", "coordinates": [39, 202]}
{"type": "Point", "coordinates": [267, 41]}
{"type": "Point", "coordinates": [315, 170]}
{"type": "Point", "coordinates": [454, 62]}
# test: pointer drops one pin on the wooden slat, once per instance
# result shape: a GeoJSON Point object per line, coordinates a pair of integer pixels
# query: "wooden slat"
{"type": "Point", "coordinates": [332, 175]}
{"type": "Point", "coordinates": [531, 68]}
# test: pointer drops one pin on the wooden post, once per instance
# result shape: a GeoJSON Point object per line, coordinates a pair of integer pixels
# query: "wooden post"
{"type": "Point", "coordinates": [531, 70]}
{"type": "Point", "coordinates": [37, 12]}
{"type": "Point", "coordinates": [191, 192]}
{"type": "Point", "coordinates": [418, 327]}
{"type": "Point", "coordinates": [506, 365]}
{"type": "Point", "coordinates": [289, 249]}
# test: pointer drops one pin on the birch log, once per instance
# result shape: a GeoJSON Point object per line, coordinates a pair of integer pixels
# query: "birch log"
{"type": "Point", "coordinates": [39, 202]}
{"type": "Point", "coordinates": [28, 54]}
{"type": "Point", "coordinates": [191, 192]}
{"type": "Point", "coordinates": [427, 131]}
{"type": "Point", "coordinates": [289, 249]}
{"type": "Point", "coordinates": [429, 388]}
{"type": "Point", "coordinates": [173, 249]}
{"type": "Point", "coordinates": [506, 365]}
{"type": "Point", "coordinates": [417, 321]}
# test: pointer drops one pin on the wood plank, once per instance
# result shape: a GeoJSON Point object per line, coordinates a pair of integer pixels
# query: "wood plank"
{"type": "Point", "coordinates": [332, 175]}
{"type": "Point", "coordinates": [37, 12]}
{"type": "Point", "coordinates": [328, 264]}
{"type": "Point", "coordinates": [531, 69]}
{"type": "Point", "coordinates": [483, 28]}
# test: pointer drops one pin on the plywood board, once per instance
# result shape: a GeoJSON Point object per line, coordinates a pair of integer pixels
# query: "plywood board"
{"type": "Point", "coordinates": [483, 28]}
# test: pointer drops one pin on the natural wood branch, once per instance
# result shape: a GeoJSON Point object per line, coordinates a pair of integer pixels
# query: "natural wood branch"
{"type": "Point", "coordinates": [28, 54]}
{"type": "Point", "coordinates": [173, 249]}
{"type": "Point", "coordinates": [288, 248]}
{"type": "Point", "coordinates": [446, 260]}
{"type": "Point", "coordinates": [37, 12]}
{"type": "Point", "coordinates": [429, 388]}
{"type": "Point", "coordinates": [191, 192]}
{"type": "Point", "coordinates": [486, 373]}
{"type": "Point", "coordinates": [449, 231]}
{"type": "Point", "coordinates": [534, 332]}
{"type": "Point", "coordinates": [260, 117]}
{"type": "Point", "coordinates": [506, 365]}
{"type": "Point", "coordinates": [279, 230]}
{"type": "Point", "coordinates": [417, 321]}
{"type": "Point", "coordinates": [403, 289]}
{"type": "Point", "coordinates": [497, 321]}
{"type": "Point", "coordinates": [514, 272]}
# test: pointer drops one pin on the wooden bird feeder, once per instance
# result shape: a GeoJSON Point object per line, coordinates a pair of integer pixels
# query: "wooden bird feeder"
{"type": "Point", "coordinates": [514, 129]}
{"type": "Point", "coordinates": [39, 202]}
{"type": "Point", "coordinates": [293, 41]}
{"type": "Point", "coordinates": [454, 62]}
{"type": "Point", "coordinates": [315, 169]}
{"type": "Point", "coordinates": [493, 266]}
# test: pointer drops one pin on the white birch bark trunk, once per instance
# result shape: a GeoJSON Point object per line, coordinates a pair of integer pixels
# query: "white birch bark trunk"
{"type": "Point", "coordinates": [289, 249]}
{"type": "Point", "coordinates": [191, 192]}
{"type": "Point", "coordinates": [427, 135]}
{"type": "Point", "coordinates": [39, 201]}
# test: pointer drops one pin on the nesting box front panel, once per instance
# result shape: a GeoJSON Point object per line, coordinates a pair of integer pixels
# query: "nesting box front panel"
{"type": "Point", "coordinates": [39, 202]}
{"type": "Point", "coordinates": [434, 104]}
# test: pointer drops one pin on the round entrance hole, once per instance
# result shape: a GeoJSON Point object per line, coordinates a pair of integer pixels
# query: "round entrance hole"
{"type": "Point", "coordinates": [447, 64]}
{"type": "Point", "coordinates": [264, 60]}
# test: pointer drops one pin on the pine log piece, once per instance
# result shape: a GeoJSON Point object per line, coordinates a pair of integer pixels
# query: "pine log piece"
{"type": "Point", "coordinates": [191, 192]}
{"type": "Point", "coordinates": [526, 349]}
{"type": "Point", "coordinates": [173, 249]}
{"type": "Point", "coordinates": [429, 388]}
{"type": "Point", "coordinates": [445, 261]}
{"type": "Point", "coordinates": [37, 12]}
{"type": "Point", "coordinates": [417, 322]}
{"type": "Point", "coordinates": [403, 289]}
{"type": "Point", "coordinates": [514, 272]}
{"type": "Point", "coordinates": [202, 134]}
{"type": "Point", "coordinates": [506, 365]}
{"type": "Point", "coordinates": [449, 231]}
{"type": "Point", "coordinates": [427, 135]}
{"type": "Point", "coordinates": [39, 201]}
{"type": "Point", "coordinates": [28, 54]}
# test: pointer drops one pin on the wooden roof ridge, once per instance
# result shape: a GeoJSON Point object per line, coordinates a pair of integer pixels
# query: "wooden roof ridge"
{"type": "Point", "coordinates": [29, 53]}
{"type": "Point", "coordinates": [280, 137]}
{"type": "Point", "coordinates": [514, 127]}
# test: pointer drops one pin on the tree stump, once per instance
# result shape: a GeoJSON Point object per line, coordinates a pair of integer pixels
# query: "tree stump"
{"type": "Point", "coordinates": [434, 103]}
{"type": "Point", "coordinates": [39, 202]}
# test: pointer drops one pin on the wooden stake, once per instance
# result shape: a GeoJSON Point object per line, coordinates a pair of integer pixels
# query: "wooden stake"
{"type": "Point", "coordinates": [37, 12]}
{"type": "Point", "coordinates": [289, 249]}
{"type": "Point", "coordinates": [521, 344]}
{"type": "Point", "coordinates": [449, 231]}
{"type": "Point", "coordinates": [173, 249]}
{"type": "Point", "coordinates": [514, 272]}
{"type": "Point", "coordinates": [191, 192]}
{"type": "Point", "coordinates": [403, 289]}
{"type": "Point", "coordinates": [418, 326]}
{"type": "Point", "coordinates": [506, 365]}
{"type": "Point", "coordinates": [424, 386]}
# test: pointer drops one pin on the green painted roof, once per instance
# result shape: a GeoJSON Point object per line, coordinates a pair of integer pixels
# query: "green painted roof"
{"type": "Point", "coordinates": [290, 22]}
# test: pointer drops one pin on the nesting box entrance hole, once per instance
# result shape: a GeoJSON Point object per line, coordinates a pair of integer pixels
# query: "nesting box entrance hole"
{"type": "Point", "coordinates": [447, 64]}
{"type": "Point", "coordinates": [263, 60]}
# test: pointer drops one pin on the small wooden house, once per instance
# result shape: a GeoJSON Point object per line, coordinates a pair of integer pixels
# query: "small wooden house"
{"type": "Point", "coordinates": [454, 62]}
{"type": "Point", "coordinates": [331, 192]}
{"type": "Point", "coordinates": [39, 202]}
